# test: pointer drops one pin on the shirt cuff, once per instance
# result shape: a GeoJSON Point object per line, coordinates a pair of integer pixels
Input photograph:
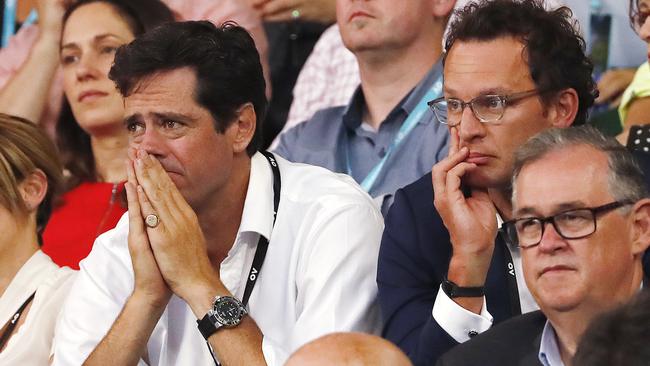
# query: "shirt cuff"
{"type": "Point", "coordinates": [460, 323]}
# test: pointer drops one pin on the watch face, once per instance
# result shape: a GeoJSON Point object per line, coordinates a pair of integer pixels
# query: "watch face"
{"type": "Point", "coordinates": [228, 310]}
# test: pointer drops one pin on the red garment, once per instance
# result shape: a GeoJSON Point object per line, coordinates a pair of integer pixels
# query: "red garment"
{"type": "Point", "coordinates": [85, 212]}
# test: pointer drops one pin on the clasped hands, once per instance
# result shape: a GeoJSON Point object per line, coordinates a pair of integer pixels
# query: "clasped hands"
{"type": "Point", "coordinates": [172, 256]}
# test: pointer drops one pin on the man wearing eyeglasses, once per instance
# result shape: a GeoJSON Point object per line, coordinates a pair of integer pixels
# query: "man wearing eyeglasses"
{"type": "Point", "coordinates": [512, 69]}
{"type": "Point", "coordinates": [581, 220]}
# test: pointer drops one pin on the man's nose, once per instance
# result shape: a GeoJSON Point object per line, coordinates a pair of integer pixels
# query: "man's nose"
{"type": "Point", "coordinates": [150, 141]}
{"type": "Point", "coordinates": [87, 67]}
{"type": "Point", "coordinates": [551, 239]}
{"type": "Point", "coordinates": [469, 126]}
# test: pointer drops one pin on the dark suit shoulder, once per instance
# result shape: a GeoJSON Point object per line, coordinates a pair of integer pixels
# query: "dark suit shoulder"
{"type": "Point", "coordinates": [512, 342]}
{"type": "Point", "coordinates": [417, 197]}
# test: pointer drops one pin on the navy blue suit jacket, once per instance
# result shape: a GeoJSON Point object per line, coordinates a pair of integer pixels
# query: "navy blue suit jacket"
{"type": "Point", "coordinates": [413, 260]}
{"type": "Point", "coordinates": [514, 342]}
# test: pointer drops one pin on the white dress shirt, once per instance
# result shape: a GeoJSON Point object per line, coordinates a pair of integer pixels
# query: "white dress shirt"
{"type": "Point", "coordinates": [31, 343]}
{"type": "Point", "coordinates": [318, 276]}
{"type": "Point", "coordinates": [459, 322]}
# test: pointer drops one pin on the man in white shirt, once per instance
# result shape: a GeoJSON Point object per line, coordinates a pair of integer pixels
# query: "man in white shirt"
{"type": "Point", "coordinates": [205, 211]}
{"type": "Point", "coordinates": [582, 223]}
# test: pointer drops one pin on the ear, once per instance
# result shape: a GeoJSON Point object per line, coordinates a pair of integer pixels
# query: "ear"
{"type": "Point", "coordinates": [33, 189]}
{"type": "Point", "coordinates": [244, 127]}
{"type": "Point", "coordinates": [640, 215]}
{"type": "Point", "coordinates": [442, 8]}
{"type": "Point", "coordinates": [564, 108]}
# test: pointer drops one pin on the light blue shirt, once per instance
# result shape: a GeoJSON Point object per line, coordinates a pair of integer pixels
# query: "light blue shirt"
{"type": "Point", "coordinates": [335, 136]}
{"type": "Point", "coordinates": [549, 352]}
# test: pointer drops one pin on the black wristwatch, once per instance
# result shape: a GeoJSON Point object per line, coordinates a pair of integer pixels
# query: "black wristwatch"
{"type": "Point", "coordinates": [453, 290]}
{"type": "Point", "coordinates": [226, 311]}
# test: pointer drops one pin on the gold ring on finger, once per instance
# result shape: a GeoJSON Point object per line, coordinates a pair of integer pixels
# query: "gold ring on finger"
{"type": "Point", "coordinates": [151, 220]}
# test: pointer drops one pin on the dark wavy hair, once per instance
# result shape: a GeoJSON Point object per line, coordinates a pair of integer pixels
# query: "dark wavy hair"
{"type": "Point", "coordinates": [226, 62]}
{"type": "Point", "coordinates": [73, 142]}
{"type": "Point", "coordinates": [554, 50]}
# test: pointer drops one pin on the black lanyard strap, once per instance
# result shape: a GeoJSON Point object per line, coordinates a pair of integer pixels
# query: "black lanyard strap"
{"type": "Point", "coordinates": [14, 321]}
{"type": "Point", "coordinates": [263, 243]}
{"type": "Point", "coordinates": [511, 277]}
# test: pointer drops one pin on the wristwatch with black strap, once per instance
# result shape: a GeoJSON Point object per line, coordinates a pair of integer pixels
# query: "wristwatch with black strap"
{"type": "Point", "coordinates": [453, 290]}
{"type": "Point", "coordinates": [226, 311]}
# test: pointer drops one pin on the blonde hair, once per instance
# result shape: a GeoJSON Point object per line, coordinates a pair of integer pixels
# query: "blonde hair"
{"type": "Point", "coordinates": [24, 148]}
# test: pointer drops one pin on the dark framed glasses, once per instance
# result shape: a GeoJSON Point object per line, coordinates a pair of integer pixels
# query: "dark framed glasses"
{"type": "Point", "coordinates": [576, 223]}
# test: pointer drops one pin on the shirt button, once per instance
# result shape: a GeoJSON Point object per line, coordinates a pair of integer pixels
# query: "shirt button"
{"type": "Point", "coordinates": [472, 333]}
{"type": "Point", "coordinates": [382, 152]}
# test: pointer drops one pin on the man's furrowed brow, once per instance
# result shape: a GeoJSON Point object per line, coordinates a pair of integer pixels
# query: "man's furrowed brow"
{"type": "Point", "coordinates": [175, 116]}
{"type": "Point", "coordinates": [525, 211]}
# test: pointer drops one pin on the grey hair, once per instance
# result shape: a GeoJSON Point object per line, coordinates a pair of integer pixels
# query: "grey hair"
{"type": "Point", "coordinates": [625, 178]}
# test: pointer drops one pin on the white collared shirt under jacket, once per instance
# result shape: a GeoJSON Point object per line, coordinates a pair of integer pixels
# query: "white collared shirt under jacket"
{"type": "Point", "coordinates": [318, 276]}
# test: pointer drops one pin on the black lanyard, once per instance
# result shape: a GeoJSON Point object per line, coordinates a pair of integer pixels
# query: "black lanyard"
{"type": "Point", "coordinates": [263, 243]}
{"type": "Point", "coordinates": [14, 320]}
{"type": "Point", "coordinates": [511, 277]}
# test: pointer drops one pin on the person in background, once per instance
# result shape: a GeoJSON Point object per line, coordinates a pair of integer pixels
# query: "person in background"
{"type": "Point", "coordinates": [386, 136]}
{"type": "Point", "coordinates": [92, 141]}
{"type": "Point", "coordinates": [348, 349]}
{"type": "Point", "coordinates": [635, 102]}
{"type": "Point", "coordinates": [328, 78]}
{"type": "Point", "coordinates": [25, 42]}
{"type": "Point", "coordinates": [32, 287]}
{"type": "Point", "coordinates": [292, 28]}
{"type": "Point", "coordinates": [624, 52]}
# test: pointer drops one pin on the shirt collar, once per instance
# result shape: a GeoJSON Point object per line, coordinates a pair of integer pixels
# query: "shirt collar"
{"type": "Point", "coordinates": [549, 352]}
{"type": "Point", "coordinates": [353, 113]}
{"type": "Point", "coordinates": [257, 215]}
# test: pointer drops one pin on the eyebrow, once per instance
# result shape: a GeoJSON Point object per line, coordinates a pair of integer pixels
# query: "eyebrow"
{"type": "Point", "coordinates": [97, 38]}
{"type": "Point", "coordinates": [528, 211]}
{"type": "Point", "coordinates": [184, 118]}
{"type": "Point", "coordinates": [134, 118]}
{"type": "Point", "coordinates": [488, 91]}
{"type": "Point", "coordinates": [160, 116]}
